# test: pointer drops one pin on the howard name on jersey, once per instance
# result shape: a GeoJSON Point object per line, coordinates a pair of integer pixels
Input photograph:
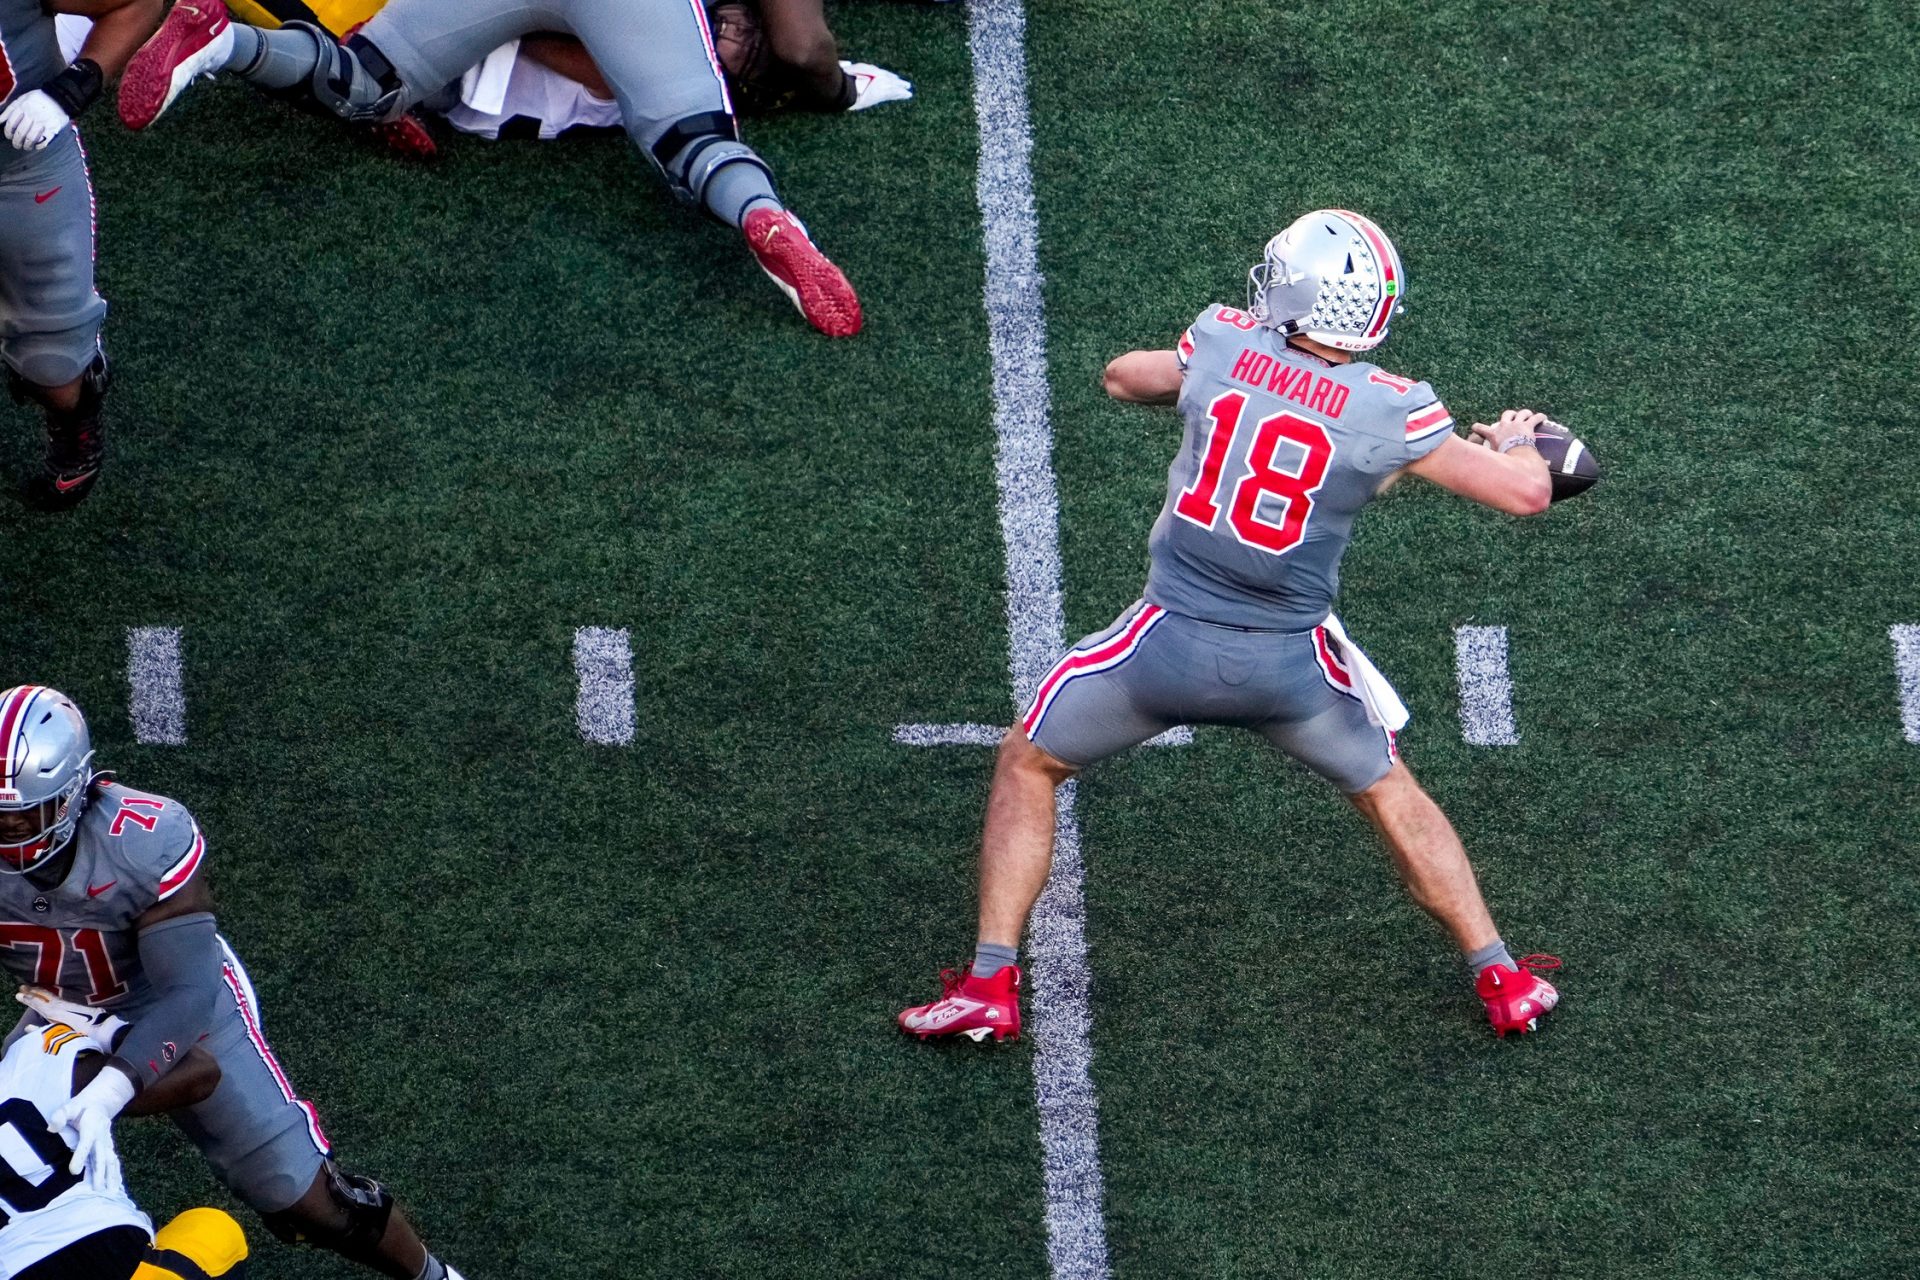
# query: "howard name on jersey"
{"type": "Point", "coordinates": [43, 1207]}
{"type": "Point", "coordinates": [1282, 450]}
{"type": "Point", "coordinates": [131, 850]}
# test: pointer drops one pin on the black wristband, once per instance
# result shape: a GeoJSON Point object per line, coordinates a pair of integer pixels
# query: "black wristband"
{"type": "Point", "coordinates": [76, 88]}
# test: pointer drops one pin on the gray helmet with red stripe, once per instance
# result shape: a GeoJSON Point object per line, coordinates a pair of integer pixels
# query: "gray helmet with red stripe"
{"type": "Point", "coordinates": [46, 758]}
{"type": "Point", "coordinates": [1332, 276]}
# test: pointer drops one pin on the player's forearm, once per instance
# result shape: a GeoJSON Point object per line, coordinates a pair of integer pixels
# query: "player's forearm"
{"type": "Point", "coordinates": [1144, 377]}
{"type": "Point", "coordinates": [182, 959]}
{"type": "Point", "coordinates": [188, 1084]}
{"type": "Point", "coordinates": [120, 27]}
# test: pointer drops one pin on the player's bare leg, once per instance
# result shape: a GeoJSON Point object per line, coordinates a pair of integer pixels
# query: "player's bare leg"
{"type": "Point", "coordinates": [1016, 849]}
{"type": "Point", "coordinates": [1429, 856]}
{"type": "Point", "coordinates": [1016, 853]}
{"type": "Point", "coordinates": [1433, 864]}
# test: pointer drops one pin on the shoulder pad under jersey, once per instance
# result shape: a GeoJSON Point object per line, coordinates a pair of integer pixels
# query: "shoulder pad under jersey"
{"type": "Point", "coordinates": [1215, 324]}
{"type": "Point", "coordinates": [1405, 407]}
{"type": "Point", "coordinates": [152, 840]}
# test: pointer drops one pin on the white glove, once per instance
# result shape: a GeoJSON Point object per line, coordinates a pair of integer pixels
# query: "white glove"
{"type": "Point", "coordinates": [875, 85]}
{"type": "Point", "coordinates": [97, 1024]}
{"type": "Point", "coordinates": [32, 120]}
{"type": "Point", "coordinates": [89, 1118]}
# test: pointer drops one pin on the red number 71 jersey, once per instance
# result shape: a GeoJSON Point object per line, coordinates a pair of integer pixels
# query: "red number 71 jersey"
{"type": "Point", "coordinates": [1282, 449]}
{"type": "Point", "coordinates": [132, 851]}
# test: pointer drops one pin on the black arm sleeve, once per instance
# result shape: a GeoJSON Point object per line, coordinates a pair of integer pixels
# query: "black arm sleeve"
{"type": "Point", "coordinates": [181, 958]}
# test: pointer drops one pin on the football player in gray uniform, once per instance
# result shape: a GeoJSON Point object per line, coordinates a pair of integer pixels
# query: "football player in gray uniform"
{"type": "Point", "coordinates": [657, 56]}
{"type": "Point", "coordinates": [104, 902]}
{"type": "Point", "coordinates": [50, 315]}
{"type": "Point", "coordinates": [1288, 436]}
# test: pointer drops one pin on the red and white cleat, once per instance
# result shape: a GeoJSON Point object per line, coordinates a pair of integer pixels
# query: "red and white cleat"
{"type": "Point", "coordinates": [1516, 999]}
{"type": "Point", "coordinates": [968, 1006]}
{"type": "Point", "coordinates": [790, 259]}
{"type": "Point", "coordinates": [195, 40]}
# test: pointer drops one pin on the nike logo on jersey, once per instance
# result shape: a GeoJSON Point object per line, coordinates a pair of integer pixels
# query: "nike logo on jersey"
{"type": "Point", "coordinates": [42, 198]}
{"type": "Point", "coordinates": [95, 890]}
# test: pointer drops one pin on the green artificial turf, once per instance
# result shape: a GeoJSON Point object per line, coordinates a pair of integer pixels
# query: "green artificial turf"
{"type": "Point", "coordinates": [384, 436]}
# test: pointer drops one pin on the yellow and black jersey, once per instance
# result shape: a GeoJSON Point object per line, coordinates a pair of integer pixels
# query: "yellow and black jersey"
{"type": "Point", "coordinates": [337, 16]}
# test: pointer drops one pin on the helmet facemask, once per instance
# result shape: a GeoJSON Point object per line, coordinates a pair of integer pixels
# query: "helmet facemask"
{"type": "Point", "coordinates": [34, 833]}
{"type": "Point", "coordinates": [46, 758]}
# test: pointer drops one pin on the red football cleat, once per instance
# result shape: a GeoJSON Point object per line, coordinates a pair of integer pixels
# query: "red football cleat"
{"type": "Point", "coordinates": [815, 285]}
{"type": "Point", "coordinates": [1517, 999]}
{"type": "Point", "coordinates": [969, 1006]}
{"type": "Point", "coordinates": [195, 40]}
{"type": "Point", "coordinates": [408, 138]}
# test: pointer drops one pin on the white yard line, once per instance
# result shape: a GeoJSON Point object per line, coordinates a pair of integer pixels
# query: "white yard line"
{"type": "Point", "coordinates": [603, 659]}
{"type": "Point", "coordinates": [1061, 1020]}
{"type": "Point", "coordinates": [159, 703]}
{"type": "Point", "coordinates": [1906, 667]}
{"type": "Point", "coordinates": [1486, 690]}
{"type": "Point", "coordinates": [989, 735]}
{"type": "Point", "coordinates": [949, 735]}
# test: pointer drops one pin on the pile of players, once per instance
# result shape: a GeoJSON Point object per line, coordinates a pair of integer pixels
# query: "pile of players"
{"type": "Point", "coordinates": [666, 71]}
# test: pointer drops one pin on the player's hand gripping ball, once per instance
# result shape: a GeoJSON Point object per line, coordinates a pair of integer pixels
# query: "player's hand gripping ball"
{"type": "Point", "coordinates": [1573, 466]}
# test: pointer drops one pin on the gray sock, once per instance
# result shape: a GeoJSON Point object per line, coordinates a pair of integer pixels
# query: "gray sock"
{"type": "Point", "coordinates": [990, 958]}
{"type": "Point", "coordinates": [432, 1269]}
{"type": "Point", "coordinates": [274, 59]}
{"type": "Point", "coordinates": [1493, 953]}
{"type": "Point", "coordinates": [735, 188]}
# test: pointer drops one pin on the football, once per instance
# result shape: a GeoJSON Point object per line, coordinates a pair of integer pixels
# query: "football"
{"type": "Point", "coordinates": [1575, 469]}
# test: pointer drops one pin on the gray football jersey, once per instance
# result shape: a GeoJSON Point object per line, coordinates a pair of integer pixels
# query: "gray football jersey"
{"type": "Point", "coordinates": [1282, 449]}
{"type": "Point", "coordinates": [78, 938]}
{"type": "Point", "coordinates": [29, 52]}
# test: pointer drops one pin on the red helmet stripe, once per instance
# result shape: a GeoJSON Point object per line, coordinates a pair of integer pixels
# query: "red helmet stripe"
{"type": "Point", "coordinates": [1383, 253]}
{"type": "Point", "coordinates": [13, 717]}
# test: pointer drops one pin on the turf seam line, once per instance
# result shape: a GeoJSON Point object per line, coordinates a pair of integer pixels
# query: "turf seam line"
{"type": "Point", "coordinates": [1061, 1018]}
{"type": "Point", "coordinates": [1906, 669]}
{"type": "Point", "coordinates": [989, 735]}
{"type": "Point", "coordinates": [603, 660]}
{"type": "Point", "coordinates": [1486, 690]}
{"type": "Point", "coordinates": [158, 706]}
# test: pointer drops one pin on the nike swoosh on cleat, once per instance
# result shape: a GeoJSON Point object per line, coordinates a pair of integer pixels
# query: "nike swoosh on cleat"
{"type": "Point", "coordinates": [38, 198]}
{"type": "Point", "coordinates": [95, 890]}
{"type": "Point", "coordinates": [65, 485]}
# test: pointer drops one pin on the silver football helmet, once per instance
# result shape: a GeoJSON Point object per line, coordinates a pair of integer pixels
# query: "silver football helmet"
{"type": "Point", "coordinates": [1332, 276]}
{"type": "Point", "coordinates": [46, 758]}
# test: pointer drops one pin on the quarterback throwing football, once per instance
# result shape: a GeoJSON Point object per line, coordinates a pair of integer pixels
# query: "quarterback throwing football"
{"type": "Point", "coordinates": [1288, 436]}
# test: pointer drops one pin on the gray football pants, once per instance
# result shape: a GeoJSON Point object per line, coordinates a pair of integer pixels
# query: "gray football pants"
{"type": "Point", "coordinates": [1152, 670]}
{"type": "Point", "coordinates": [262, 1140]}
{"type": "Point", "coordinates": [50, 315]}
{"type": "Point", "coordinates": [657, 54]}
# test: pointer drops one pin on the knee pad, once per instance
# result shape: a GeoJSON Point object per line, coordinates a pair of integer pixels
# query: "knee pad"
{"type": "Point", "coordinates": [95, 379]}
{"type": "Point", "coordinates": [200, 1242]}
{"type": "Point", "coordinates": [364, 1204]}
{"type": "Point", "coordinates": [352, 81]}
{"type": "Point", "coordinates": [692, 150]}
{"type": "Point", "coordinates": [51, 359]}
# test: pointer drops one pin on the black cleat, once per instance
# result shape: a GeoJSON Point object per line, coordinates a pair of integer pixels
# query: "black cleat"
{"type": "Point", "coordinates": [76, 446]}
